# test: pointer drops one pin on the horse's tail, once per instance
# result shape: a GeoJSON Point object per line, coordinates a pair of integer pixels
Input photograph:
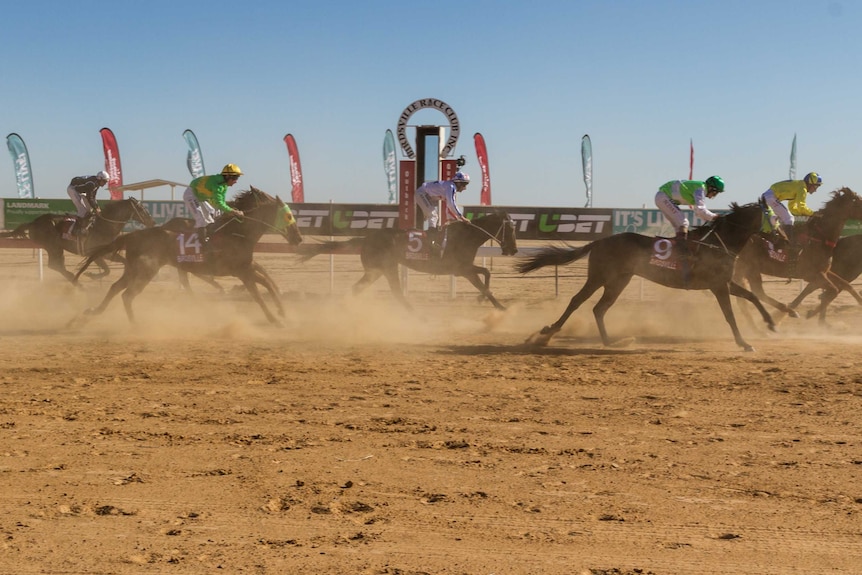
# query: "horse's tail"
{"type": "Point", "coordinates": [21, 231]}
{"type": "Point", "coordinates": [100, 252]}
{"type": "Point", "coordinates": [552, 256]}
{"type": "Point", "coordinates": [308, 251]}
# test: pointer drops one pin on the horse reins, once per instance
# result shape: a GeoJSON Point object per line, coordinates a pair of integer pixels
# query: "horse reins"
{"type": "Point", "coordinates": [487, 233]}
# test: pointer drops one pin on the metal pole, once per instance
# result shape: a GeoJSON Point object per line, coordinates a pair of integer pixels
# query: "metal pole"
{"type": "Point", "coordinates": [331, 255]}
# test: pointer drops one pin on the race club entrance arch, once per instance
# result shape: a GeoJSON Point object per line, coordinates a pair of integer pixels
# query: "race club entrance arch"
{"type": "Point", "coordinates": [413, 170]}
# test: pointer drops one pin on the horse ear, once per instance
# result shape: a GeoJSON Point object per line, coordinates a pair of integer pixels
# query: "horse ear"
{"type": "Point", "coordinates": [253, 189]}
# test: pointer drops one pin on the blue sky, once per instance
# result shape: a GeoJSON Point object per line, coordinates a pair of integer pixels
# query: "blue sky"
{"type": "Point", "coordinates": [642, 78]}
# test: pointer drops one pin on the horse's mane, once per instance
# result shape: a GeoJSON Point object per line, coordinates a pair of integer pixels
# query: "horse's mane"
{"type": "Point", "coordinates": [836, 196]}
{"type": "Point", "coordinates": [734, 208]}
{"type": "Point", "coordinates": [250, 198]}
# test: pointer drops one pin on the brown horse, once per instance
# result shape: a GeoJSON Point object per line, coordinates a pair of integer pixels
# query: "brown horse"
{"type": "Point", "coordinates": [51, 233]}
{"type": "Point", "coordinates": [703, 262]}
{"type": "Point", "coordinates": [382, 250]}
{"type": "Point", "coordinates": [229, 251]}
{"type": "Point", "coordinates": [818, 237]}
{"type": "Point", "coordinates": [846, 264]}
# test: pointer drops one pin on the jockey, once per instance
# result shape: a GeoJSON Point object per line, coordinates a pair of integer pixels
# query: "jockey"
{"type": "Point", "coordinates": [205, 198]}
{"type": "Point", "coordinates": [82, 190]}
{"type": "Point", "coordinates": [794, 192]}
{"type": "Point", "coordinates": [429, 194]}
{"type": "Point", "coordinates": [691, 193]}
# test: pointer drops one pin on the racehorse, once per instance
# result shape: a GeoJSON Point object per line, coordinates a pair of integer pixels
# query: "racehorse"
{"type": "Point", "coordinates": [846, 264]}
{"type": "Point", "coordinates": [704, 261]}
{"type": "Point", "coordinates": [187, 225]}
{"type": "Point", "coordinates": [229, 251]}
{"type": "Point", "coordinates": [382, 250]}
{"type": "Point", "coordinates": [818, 237]}
{"type": "Point", "coordinates": [51, 233]}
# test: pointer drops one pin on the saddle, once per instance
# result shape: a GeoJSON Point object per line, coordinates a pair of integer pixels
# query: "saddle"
{"type": "Point", "coordinates": [781, 250]}
{"type": "Point", "coordinates": [425, 245]}
{"type": "Point", "coordinates": [74, 228]}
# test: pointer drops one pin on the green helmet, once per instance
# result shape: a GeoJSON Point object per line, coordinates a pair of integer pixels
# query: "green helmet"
{"type": "Point", "coordinates": [715, 183]}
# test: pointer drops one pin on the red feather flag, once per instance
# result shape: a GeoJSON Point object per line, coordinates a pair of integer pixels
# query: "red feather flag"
{"type": "Point", "coordinates": [298, 192]}
{"type": "Point", "coordinates": [112, 163]}
{"type": "Point", "coordinates": [482, 157]}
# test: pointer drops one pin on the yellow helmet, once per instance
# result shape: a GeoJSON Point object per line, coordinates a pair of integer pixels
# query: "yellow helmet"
{"type": "Point", "coordinates": [231, 170]}
{"type": "Point", "coordinates": [813, 178]}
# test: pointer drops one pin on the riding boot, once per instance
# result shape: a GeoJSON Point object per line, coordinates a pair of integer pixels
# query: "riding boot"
{"type": "Point", "coordinates": [434, 242]}
{"type": "Point", "coordinates": [203, 240]}
{"type": "Point", "coordinates": [82, 226]}
{"type": "Point", "coordinates": [791, 236]}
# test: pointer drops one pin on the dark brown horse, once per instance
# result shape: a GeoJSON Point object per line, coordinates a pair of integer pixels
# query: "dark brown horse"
{"type": "Point", "coordinates": [229, 251]}
{"type": "Point", "coordinates": [51, 232]}
{"type": "Point", "coordinates": [846, 264]}
{"type": "Point", "coordinates": [705, 261]}
{"type": "Point", "coordinates": [187, 226]}
{"type": "Point", "coordinates": [817, 238]}
{"type": "Point", "coordinates": [382, 250]}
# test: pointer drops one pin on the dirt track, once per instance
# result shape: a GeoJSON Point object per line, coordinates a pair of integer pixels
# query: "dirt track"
{"type": "Point", "coordinates": [361, 439]}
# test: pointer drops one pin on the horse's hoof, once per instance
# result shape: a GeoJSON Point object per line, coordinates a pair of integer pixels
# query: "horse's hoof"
{"type": "Point", "coordinates": [623, 342]}
{"type": "Point", "coordinates": [747, 347]}
{"type": "Point", "coordinates": [792, 313]}
{"type": "Point", "coordinates": [539, 339]}
{"type": "Point", "coordinates": [773, 328]}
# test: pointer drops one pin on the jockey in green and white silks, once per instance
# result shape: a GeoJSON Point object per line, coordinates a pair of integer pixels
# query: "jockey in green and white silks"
{"type": "Point", "coordinates": [205, 197]}
{"type": "Point", "coordinates": [691, 193]}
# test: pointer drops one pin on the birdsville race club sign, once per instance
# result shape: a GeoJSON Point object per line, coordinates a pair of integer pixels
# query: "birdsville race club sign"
{"type": "Point", "coordinates": [446, 109]}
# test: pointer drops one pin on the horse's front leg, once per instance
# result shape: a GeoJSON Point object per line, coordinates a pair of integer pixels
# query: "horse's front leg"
{"type": "Point", "coordinates": [472, 275]}
{"type": "Point", "coordinates": [249, 280]}
{"type": "Point", "coordinates": [838, 283]}
{"type": "Point", "coordinates": [739, 291]}
{"type": "Point", "coordinates": [263, 278]}
{"type": "Point", "coordinates": [755, 282]}
{"type": "Point", "coordinates": [722, 294]}
{"type": "Point", "coordinates": [103, 266]}
{"type": "Point", "coordinates": [809, 288]}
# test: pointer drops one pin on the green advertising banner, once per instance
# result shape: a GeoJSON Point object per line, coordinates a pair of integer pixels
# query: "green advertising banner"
{"type": "Point", "coordinates": [17, 212]}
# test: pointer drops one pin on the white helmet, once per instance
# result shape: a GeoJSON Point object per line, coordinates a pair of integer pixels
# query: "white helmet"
{"type": "Point", "coordinates": [461, 177]}
{"type": "Point", "coordinates": [103, 175]}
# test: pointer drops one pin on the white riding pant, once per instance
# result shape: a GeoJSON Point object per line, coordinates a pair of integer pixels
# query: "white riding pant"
{"type": "Point", "coordinates": [672, 212]}
{"type": "Point", "coordinates": [201, 210]}
{"type": "Point", "coordinates": [80, 202]}
{"type": "Point", "coordinates": [784, 216]}
{"type": "Point", "coordinates": [430, 206]}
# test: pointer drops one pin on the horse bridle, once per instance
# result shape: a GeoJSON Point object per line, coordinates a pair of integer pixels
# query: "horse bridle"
{"type": "Point", "coordinates": [493, 237]}
{"type": "Point", "coordinates": [282, 232]}
{"type": "Point", "coordinates": [136, 207]}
